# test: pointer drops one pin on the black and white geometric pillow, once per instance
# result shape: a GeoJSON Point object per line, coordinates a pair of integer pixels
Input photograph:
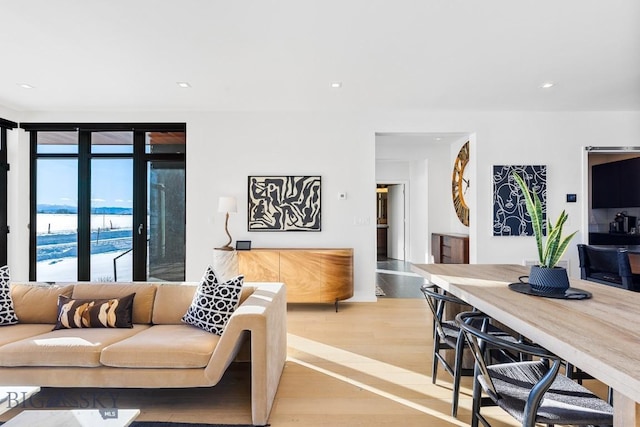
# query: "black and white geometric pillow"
{"type": "Point", "coordinates": [7, 314]}
{"type": "Point", "coordinates": [213, 303]}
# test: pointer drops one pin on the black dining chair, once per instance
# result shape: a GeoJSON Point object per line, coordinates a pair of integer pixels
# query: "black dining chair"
{"type": "Point", "coordinates": [608, 266]}
{"type": "Point", "coordinates": [530, 391]}
{"type": "Point", "coordinates": [447, 336]}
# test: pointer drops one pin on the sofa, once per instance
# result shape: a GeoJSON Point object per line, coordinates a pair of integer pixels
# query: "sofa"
{"type": "Point", "coordinates": [157, 351]}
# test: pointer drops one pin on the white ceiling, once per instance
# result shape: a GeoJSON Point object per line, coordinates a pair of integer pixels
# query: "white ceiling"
{"type": "Point", "coordinates": [284, 54]}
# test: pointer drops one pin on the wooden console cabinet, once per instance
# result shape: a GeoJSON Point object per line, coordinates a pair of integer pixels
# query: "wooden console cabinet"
{"type": "Point", "coordinates": [450, 248]}
{"type": "Point", "coordinates": [311, 275]}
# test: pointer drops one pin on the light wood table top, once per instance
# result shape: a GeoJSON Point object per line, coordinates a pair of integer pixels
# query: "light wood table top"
{"type": "Point", "coordinates": [600, 335]}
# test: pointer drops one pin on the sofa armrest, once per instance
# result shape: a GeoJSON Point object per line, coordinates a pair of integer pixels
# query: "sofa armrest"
{"type": "Point", "coordinates": [264, 316]}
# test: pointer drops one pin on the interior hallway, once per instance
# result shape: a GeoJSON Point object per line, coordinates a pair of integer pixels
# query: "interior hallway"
{"type": "Point", "coordinates": [396, 280]}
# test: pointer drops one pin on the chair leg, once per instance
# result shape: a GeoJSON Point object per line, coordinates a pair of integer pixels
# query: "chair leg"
{"type": "Point", "coordinates": [434, 366]}
{"type": "Point", "coordinates": [457, 373]}
{"type": "Point", "coordinates": [477, 399]}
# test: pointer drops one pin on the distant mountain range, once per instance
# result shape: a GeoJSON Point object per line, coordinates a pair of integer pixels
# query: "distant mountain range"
{"type": "Point", "coordinates": [67, 209]}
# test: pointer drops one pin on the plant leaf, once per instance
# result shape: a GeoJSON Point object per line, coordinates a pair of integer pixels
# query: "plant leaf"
{"type": "Point", "coordinates": [549, 252]}
{"type": "Point", "coordinates": [553, 241]}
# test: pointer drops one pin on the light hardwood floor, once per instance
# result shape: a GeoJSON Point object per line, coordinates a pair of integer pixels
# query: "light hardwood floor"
{"type": "Point", "coordinates": [367, 365]}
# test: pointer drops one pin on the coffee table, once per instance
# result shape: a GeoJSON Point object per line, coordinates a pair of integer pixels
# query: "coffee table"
{"type": "Point", "coordinates": [74, 418]}
{"type": "Point", "coordinates": [12, 396]}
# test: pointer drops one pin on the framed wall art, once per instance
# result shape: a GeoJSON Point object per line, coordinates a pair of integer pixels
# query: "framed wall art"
{"type": "Point", "coordinates": [510, 217]}
{"type": "Point", "coordinates": [284, 203]}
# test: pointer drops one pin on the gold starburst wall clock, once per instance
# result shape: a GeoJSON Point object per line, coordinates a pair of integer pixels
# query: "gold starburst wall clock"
{"type": "Point", "coordinates": [460, 184]}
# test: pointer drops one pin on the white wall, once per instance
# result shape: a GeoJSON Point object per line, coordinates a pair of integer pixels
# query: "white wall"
{"type": "Point", "coordinates": [224, 148]}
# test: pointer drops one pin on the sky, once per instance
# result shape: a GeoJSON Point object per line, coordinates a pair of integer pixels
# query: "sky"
{"type": "Point", "coordinates": [111, 182]}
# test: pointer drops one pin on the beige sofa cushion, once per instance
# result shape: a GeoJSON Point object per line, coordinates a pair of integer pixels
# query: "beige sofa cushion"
{"type": "Point", "coordinates": [172, 302]}
{"type": "Point", "coordinates": [162, 346]}
{"type": "Point", "coordinates": [64, 347]}
{"type": "Point", "coordinates": [37, 303]}
{"type": "Point", "coordinates": [12, 333]}
{"type": "Point", "coordinates": [142, 302]}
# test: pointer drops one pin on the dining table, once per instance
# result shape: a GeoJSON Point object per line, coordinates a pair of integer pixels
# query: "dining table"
{"type": "Point", "coordinates": [600, 334]}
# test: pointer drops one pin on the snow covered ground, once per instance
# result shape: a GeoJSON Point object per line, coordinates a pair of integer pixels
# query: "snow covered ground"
{"type": "Point", "coordinates": [57, 249]}
{"type": "Point", "coordinates": [65, 269]}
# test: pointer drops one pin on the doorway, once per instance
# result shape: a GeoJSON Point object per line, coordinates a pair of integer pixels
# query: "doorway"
{"type": "Point", "coordinates": [391, 221]}
{"type": "Point", "coordinates": [611, 196]}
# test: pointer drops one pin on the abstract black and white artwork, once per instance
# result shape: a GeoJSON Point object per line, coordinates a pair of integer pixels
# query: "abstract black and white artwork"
{"type": "Point", "coordinates": [284, 203]}
{"type": "Point", "coordinates": [510, 217]}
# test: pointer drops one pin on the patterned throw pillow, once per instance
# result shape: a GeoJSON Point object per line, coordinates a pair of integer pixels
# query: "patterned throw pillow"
{"type": "Point", "coordinates": [95, 313]}
{"type": "Point", "coordinates": [214, 303]}
{"type": "Point", "coordinates": [7, 313]}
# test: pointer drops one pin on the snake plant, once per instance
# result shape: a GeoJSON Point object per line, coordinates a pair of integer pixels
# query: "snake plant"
{"type": "Point", "coordinates": [551, 250]}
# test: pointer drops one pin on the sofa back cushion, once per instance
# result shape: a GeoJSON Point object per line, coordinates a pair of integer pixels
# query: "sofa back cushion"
{"type": "Point", "coordinates": [173, 300]}
{"type": "Point", "coordinates": [142, 303]}
{"type": "Point", "coordinates": [38, 302]}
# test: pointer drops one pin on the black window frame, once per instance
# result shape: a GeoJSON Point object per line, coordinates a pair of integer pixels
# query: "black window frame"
{"type": "Point", "coordinates": [4, 180]}
{"type": "Point", "coordinates": [84, 156]}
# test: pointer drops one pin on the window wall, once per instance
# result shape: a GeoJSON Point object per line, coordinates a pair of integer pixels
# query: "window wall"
{"type": "Point", "coordinates": [109, 202]}
{"type": "Point", "coordinates": [4, 169]}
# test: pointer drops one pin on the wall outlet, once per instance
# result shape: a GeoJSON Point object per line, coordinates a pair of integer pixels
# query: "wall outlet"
{"type": "Point", "coordinates": [361, 220]}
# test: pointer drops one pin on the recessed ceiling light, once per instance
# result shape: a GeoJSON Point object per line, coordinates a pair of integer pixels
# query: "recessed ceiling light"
{"type": "Point", "coordinates": [183, 85]}
{"type": "Point", "coordinates": [25, 86]}
{"type": "Point", "coordinates": [547, 85]}
{"type": "Point", "coordinates": [336, 85]}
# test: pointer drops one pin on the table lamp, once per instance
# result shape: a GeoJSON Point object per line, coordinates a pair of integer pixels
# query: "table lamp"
{"type": "Point", "coordinates": [227, 204]}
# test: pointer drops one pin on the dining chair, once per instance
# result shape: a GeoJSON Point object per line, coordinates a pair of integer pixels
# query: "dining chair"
{"type": "Point", "coordinates": [608, 266]}
{"type": "Point", "coordinates": [530, 391]}
{"type": "Point", "coordinates": [447, 336]}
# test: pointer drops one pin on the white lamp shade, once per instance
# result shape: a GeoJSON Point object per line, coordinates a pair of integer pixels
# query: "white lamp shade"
{"type": "Point", "coordinates": [227, 204]}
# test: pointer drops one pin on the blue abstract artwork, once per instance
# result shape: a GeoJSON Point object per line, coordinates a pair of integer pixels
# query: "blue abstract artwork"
{"type": "Point", "coordinates": [510, 217]}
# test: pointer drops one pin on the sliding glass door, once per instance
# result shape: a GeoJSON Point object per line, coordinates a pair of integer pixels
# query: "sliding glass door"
{"type": "Point", "coordinates": [57, 219]}
{"type": "Point", "coordinates": [166, 219]}
{"type": "Point", "coordinates": [109, 205]}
